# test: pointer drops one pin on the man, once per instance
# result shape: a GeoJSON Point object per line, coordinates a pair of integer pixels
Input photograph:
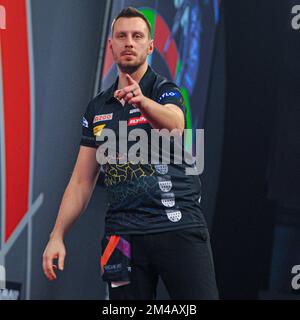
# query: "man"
{"type": "Point", "coordinates": [154, 225]}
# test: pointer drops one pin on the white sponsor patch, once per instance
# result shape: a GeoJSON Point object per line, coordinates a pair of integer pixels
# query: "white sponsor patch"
{"type": "Point", "coordinates": [164, 184]}
{"type": "Point", "coordinates": [161, 168]}
{"type": "Point", "coordinates": [168, 199]}
{"type": "Point", "coordinates": [103, 117]}
{"type": "Point", "coordinates": [134, 110]}
{"type": "Point", "coordinates": [174, 215]}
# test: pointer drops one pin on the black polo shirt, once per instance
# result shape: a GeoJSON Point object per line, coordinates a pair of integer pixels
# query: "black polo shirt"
{"type": "Point", "coordinates": [143, 198]}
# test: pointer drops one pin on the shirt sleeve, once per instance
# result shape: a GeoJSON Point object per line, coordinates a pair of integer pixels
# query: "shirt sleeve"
{"type": "Point", "coordinates": [170, 93]}
{"type": "Point", "coordinates": [87, 137]}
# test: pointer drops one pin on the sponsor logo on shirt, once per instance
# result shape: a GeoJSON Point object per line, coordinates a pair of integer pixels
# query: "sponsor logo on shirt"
{"type": "Point", "coordinates": [137, 120]}
{"type": "Point", "coordinates": [174, 215]}
{"type": "Point", "coordinates": [168, 199]}
{"type": "Point", "coordinates": [168, 95]}
{"type": "Point", "coordinates": [161, 168]}
{"type": "Point", "coordinates": [85, 122]}
{"type": "Point", "coordinates": [97, 130]}
{"type": "Point", "coordinates": [134, 110]}
{"type": "Point", "coordinates": [103, 117]}
{"type": "Point", "coordinates": [165, 184]}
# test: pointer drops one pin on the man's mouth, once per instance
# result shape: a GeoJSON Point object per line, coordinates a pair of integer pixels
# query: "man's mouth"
{"type": "Point", "coordinates": [127, 53]}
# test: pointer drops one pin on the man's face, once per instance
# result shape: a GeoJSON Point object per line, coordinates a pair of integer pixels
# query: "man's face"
{"type": "Point", "coordinates": [130, 43]}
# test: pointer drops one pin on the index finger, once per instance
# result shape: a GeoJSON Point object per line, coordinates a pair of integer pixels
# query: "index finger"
{"type": "Point", "coordinates": [129, 79]}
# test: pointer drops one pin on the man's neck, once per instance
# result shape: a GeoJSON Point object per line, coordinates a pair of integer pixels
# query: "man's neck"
{"type": "Point", "coordinates": [137, 76]}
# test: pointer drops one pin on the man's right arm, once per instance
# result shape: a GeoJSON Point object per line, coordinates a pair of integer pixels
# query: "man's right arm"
{"type": "Point", "coordinates": [74, 202]}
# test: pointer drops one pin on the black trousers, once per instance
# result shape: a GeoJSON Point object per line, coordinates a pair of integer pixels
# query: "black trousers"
{"type": "Point", "coordinates": [182, 258]}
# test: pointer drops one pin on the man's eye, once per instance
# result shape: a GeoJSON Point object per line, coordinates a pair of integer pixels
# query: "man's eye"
{"type": "Point", "coordinates": [138, 36]}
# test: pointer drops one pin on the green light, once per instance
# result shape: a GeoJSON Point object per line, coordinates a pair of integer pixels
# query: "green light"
{"type": "Point", "coordinates": [178, 67]}
{"type": "Point", "coordinates": [188, 118]}
{"type": "Point", "coordinates": [150, 15]}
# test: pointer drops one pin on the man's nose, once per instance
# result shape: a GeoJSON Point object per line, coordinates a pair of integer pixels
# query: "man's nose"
{"type": "Point", "coordinates": [129, 42]}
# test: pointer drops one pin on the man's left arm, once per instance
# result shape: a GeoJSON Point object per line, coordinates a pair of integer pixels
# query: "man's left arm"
{"type": "Point", "coordinates": [164, 115]}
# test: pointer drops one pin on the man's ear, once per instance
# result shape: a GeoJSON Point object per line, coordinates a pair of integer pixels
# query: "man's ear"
{"type": "Point", "coordinates": [151, 47]}
{"type": "Point", "coordinates": [110, 43]}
